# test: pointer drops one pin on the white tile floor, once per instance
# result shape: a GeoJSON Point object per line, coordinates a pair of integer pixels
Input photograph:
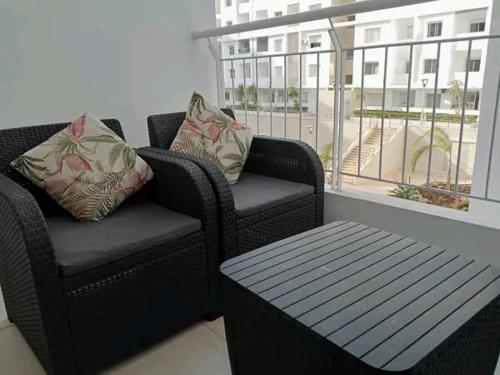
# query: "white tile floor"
{"type": "Point", "coordinates": [199, 350]}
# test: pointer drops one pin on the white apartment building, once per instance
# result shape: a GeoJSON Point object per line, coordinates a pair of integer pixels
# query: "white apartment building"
{"type": "Point", "coordinates": [307, 37]}
{"type": "Point", "coordinates": [444, 19]}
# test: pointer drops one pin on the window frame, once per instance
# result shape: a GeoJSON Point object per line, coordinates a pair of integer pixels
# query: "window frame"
{"type": "Point", "coordinates": [479, 24]}
{"type": "Point", "coordinates": [260, 65]}
{"type": "Point", "coordinates": [371, 72]}
{"type": "Point", "coordinates": [257, 18]}
{"type": "Point", "coordinates": [314, 44]}
{"type": "Point", "coordinates": [244, 49]}
{"type": "Point", "coordinates": [472, 65]}
{"type": "Point", "coordinates": [432, 24]}
{"type": "Point", "coordinates": [261, 38]}
{"type": "Point", "coordinates": [433, 66]}
{"type": "Point", "coordinates": [376, 38]}
{"type": "Point", "coordinates": [275, 43]}
{"type": "Point", "coordinates": [312, 68]}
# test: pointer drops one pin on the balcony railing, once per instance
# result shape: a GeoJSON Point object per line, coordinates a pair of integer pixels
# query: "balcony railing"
{"type": "Point", "coordinates": [370, 143]}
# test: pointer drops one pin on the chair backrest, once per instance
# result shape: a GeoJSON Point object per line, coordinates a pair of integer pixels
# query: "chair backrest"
{"type": "Point", "coordinates": [163, 128]}
{"type": "Point", "coordinates": [16, 141]}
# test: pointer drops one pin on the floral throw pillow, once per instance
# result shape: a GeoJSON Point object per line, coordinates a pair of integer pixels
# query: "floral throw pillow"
{"type": "Point", "coordinates": [208, 132]}
{"type": "Point", "coordinates": [86, 168]}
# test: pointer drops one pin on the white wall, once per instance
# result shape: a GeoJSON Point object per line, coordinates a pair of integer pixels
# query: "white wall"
{"type": "Point", "coordinates": [113, 58]}
{"type": "Point", "coordinates": [436, 226]}
{"type": "Point", "coordinates": [486, 123]}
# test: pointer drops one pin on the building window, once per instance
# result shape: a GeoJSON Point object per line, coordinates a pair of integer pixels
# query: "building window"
{"type": "Point", "coordinates": [243, 17]}
{"type": "Point", "coordinates": [403, 99]}
{"type": "Point", "coordinates": [278, 45]}
{"type": "Point", "coordinates": [244, 46]}
{"type": "Point", "coordinates": [348, 79]}
{"type": "Point", "coordinates": [262, 44]}
{"type": "Point", "coordinates": [351, 18]}
{"type": "Point", "coordinates": [472, 101]}
{"type": "Point", "coordinates": [315, 6]}
{"type": "Point", "coordinates": [349, 54]}
{"type": "Point", "coordinates": [474, 65]}
{"type": "Point", "coordinates": [229, 23]}
{"type": "Point", "coordinates": [280, 93]}
{"type": "Point", "coordinates": [217, 6]}
{"type": "Point", "coordinates": [305, 96]}
{"type": "Point", "coordinates": [315, 41]}
{"type": "Point", "coordinates": [278, 71]}
{"type": "Point", "coordinates": [313, 70]}
{"type": "Point", "coordinates": [293, 8]}
{"type": "Point", "coordinates": [372, 35]}
{"type": "Point", "coordinates": [218, 22]}
{"type": "Point", "coordinates": [430, 66]}
{"type": "Point", "coordinates": [229, 3]}
{"type": "Point", "coordinates": [434, 29]}
{"type": "Point", "coordinates": [246, 69]}
{"type": "Point", "coordinates": [279, 13]}
{"type": "Point", "coordinates": [227, 96]}
{"type": "Point", "coordinates": [371, 68]}
{"type": "Point", "coordinates": [263, 68]}
{"type": "Point", "coordinates": [261, 14]}
{"type": "Point", "coordinates": [429, 101]}
{"type": "Point", "coordinates": [407, 67]}
{"type": "Point", "coordinates": [409, 32]}
{"type": "Point", "coordinates": [231, 73]}
{"type": "Point", "coordinates": [231, 50]}
{"type": "Point", "coordinates": [477, 27]}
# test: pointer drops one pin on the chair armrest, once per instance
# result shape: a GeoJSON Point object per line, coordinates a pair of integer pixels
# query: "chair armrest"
{"type": "Point", "coordinates": [289, 160]}
{"type": "Point", "coordinates": [223, 195]}
{"type": "Point", "coordinates": [180, 186]}
{"type": "Point", "coordinates": [30, 280]}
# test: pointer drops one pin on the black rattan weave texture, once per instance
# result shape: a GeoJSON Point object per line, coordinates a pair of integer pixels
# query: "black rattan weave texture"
{"type": "Point", "coordinates": [90, 320]}
{"type": "Point", "coordinates": [285, 159]}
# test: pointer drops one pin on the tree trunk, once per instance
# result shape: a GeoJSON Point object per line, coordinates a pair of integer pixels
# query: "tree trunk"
{"type": "Point", "coordinates": [448, 180]}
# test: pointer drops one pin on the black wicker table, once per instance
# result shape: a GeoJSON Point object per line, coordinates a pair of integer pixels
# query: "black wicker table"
{"type": "Point", "coordinates": [349, 299]}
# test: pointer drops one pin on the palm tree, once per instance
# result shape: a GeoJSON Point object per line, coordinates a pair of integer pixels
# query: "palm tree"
{"type": "Point", "coordinates": [358, 95]}
{"type": "Point", "coordinates": [442, 142]}
{"type": "Point", "coordinates": [326, 155]}
{"type": "Point", "coordinates": [455, 93]}
{"type": "Point", "coordinates": [293, 93]}
{"type": "Point", "coordinates": [252, 93]}
{"type": "Point", "coordinates": [240, 92]}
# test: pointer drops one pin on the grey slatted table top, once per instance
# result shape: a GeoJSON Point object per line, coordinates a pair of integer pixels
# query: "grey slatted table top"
{"type": "Point", "coordinates": [386, 299]}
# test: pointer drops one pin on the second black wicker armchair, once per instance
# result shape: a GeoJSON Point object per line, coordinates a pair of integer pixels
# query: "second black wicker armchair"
{"type": "Point", "coordinates": [279, 193]}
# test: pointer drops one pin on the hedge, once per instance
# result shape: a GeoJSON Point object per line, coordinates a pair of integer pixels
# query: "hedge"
{"type": "Point", "coordinates": [440, 117]}
{"type": "Point", "coordinates": [253, 107]}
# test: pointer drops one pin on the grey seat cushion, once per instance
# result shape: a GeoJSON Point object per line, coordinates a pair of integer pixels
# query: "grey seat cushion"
{"type": "Point", "coordinates": [136, 226]}
{"type": "Point", "coordinates": [256, 193]}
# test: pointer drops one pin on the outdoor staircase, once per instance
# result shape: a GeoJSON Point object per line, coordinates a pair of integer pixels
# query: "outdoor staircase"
{"type": "Point", "coordinates": [369, 148]}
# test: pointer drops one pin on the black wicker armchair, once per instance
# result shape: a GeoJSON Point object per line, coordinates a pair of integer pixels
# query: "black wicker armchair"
{"type": "Point", "coordinates": [279, 193]}
{"type": "Point", "coordinates": [87, 295]}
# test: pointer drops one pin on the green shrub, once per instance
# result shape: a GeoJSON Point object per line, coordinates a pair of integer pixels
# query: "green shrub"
{"type": "Point", "coordinates": [406, 192]}
{"type": "Point", "coordinates": [440, 117]}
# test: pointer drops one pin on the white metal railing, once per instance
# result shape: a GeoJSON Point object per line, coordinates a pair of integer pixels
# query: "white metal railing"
{"type": "Point", "coordinates": [340, 55]}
